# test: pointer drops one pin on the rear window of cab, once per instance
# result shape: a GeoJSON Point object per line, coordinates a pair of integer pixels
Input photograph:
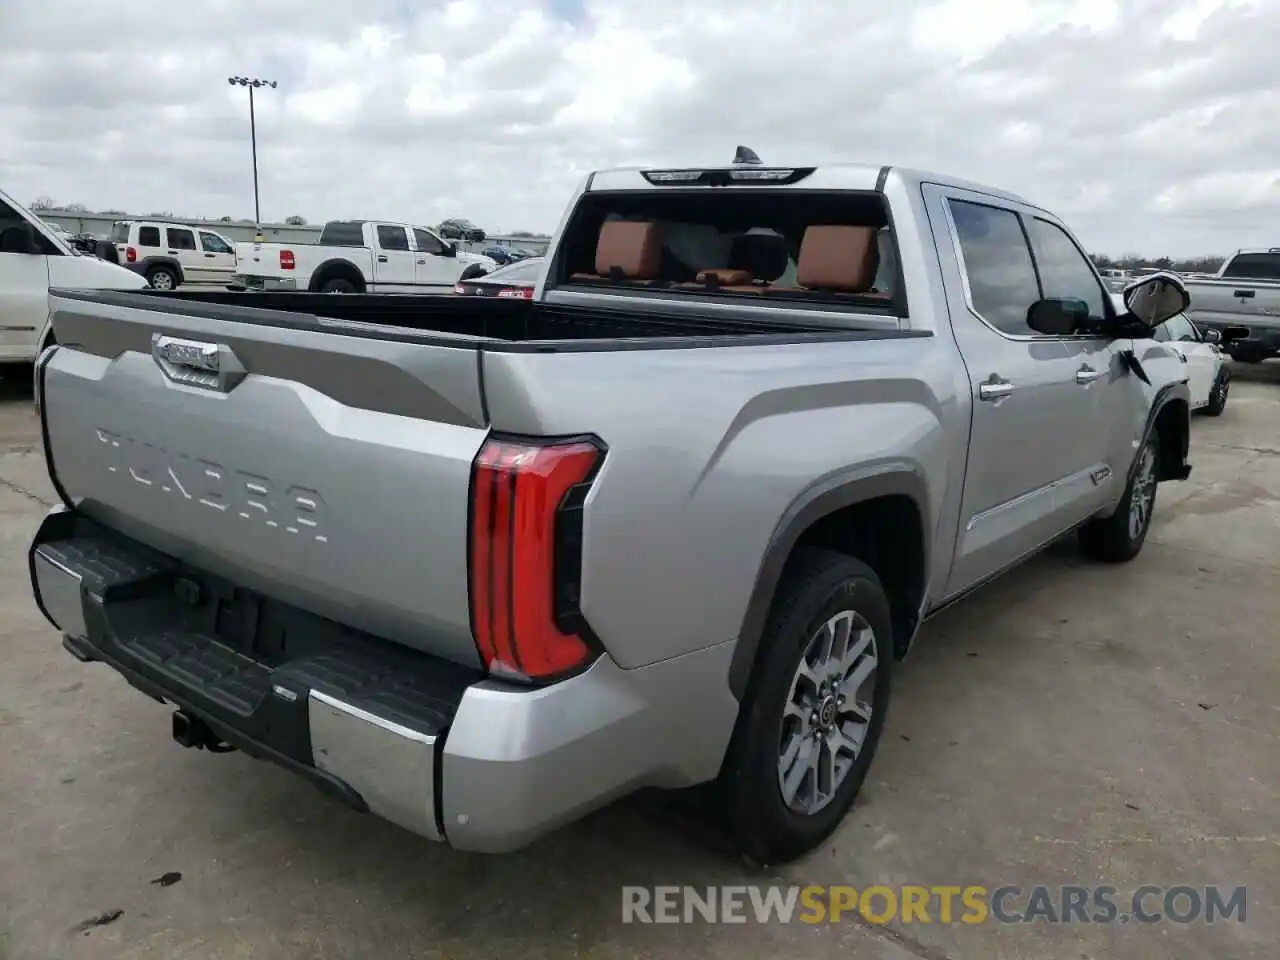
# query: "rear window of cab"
{"type": "Point", "coordinates": [790, 244]}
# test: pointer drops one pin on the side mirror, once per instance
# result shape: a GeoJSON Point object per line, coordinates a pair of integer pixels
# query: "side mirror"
{"type": "Point", "coordinates": [1212, 336]}
{"type": "Point", "coordinates": [1157, 298]}
{"type": "Point", "coordinates": [451, 248]}
{"type": "Point", "coordinates": [1058, 316]}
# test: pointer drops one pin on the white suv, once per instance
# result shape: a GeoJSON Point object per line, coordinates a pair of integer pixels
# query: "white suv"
{"type": "Point", "coordinates": [170, 254]}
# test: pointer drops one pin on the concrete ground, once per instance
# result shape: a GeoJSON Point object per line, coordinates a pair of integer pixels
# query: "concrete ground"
{"type": "Point", "coordinates": [1073, 724]}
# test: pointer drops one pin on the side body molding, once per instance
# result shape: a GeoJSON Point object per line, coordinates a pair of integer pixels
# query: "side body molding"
{"type": "Point", "coordinates": [819, 500]}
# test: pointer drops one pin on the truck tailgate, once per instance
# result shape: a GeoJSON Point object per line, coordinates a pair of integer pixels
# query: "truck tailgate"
{"type": "Point", "coordinates": [1222, 302]}
{"type": "Point", "coordinates": [331, 472]}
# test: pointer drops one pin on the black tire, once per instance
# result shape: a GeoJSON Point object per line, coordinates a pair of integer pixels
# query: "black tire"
{"type": "Point", "coordinates": [338, 285]}
{"type": "Point", "coordinates": [816, 585]}
{"type": "Point", "coordinates": [162, 278]}
{"type": "Point", "coordinates": [1218, 394]}
{"type": "Point", "coordinates": [1110, 539]}
{"type": "Point", "coordinates": [473, 271]}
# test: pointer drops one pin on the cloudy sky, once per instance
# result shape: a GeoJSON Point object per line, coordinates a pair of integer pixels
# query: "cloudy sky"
{"type": "Point", "coordinates": [1150, 125]}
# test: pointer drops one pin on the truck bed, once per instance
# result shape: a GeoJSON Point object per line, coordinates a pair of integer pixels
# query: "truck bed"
{"type": "Point", "coordinates": [505, 324]}
{"type": "Point", "coordinates": [318, 449]}
{"type": "Point", "coordinates": [1221, 304]}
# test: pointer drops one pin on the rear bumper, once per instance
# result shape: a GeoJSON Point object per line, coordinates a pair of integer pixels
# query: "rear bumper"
{"type": "Point", "coordinates": [431, 746]}
{"type": "Point", "coordinates": [1263, 340]}
{"type": "Point", "coordinates": [251, 282]}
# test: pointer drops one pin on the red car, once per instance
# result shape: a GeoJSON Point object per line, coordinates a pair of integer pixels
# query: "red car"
{"type": "Point", "coordinates": [514, 280]}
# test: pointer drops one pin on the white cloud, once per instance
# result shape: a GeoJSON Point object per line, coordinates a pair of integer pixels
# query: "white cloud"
{"type": "Point", "coordinates": [1145, 123]}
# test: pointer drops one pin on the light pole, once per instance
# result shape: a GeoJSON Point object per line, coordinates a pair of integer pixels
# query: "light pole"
{"type": "Point", "coordinates": [252, 83]}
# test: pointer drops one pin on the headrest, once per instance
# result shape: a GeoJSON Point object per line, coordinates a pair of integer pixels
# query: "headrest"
{"type": "Point", "coordinates": [19, 238]}
{"type": "Point", "coordinates": [631, 248]}
{"type": "Point", "coordinates": [763, 255]}
{"type": "Point", "coordinates": [838, 258]}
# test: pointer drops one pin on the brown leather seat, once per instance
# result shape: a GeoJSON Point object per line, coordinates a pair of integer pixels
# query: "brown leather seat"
{"type": "Point", "coordinates": [626, 250]}
{"type": "Point", "coordinates": [837, 259]}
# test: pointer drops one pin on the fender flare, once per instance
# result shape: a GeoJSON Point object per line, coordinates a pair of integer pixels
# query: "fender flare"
{"type": "Point", "coordinates": [336, 265]}
{"type": "Point", "coordinates": [1167, 394]}
{"type": "Point", "coordinates": [810, 506]}
{"type": "Point", "coordinates": [148, 262]}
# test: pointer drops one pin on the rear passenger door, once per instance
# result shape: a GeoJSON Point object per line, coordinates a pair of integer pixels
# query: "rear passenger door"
{"type": "Point", "coordinates": [1026, 407]}
{"type": "Point", "coordinates": [393, 260]}
{"type": "Point", "coordinates": [181, 245]}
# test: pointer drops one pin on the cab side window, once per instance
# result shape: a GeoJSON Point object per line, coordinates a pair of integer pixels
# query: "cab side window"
{"type": "Point", "coordinates": [392, 238]}
{"type": "Point", "coordinates": [998, 264]}
{"type": "Point", "coordinates": [148, 236]}
{"type": "Point", "coordinates": [13, 223]}
{"type": "Point", "coordinates": [426, 243]}
{"type": "Point", "coordinates": [213, 243]}
{"type": "Point", "coordinates": [1065, 272]}
{"type": "Point", "coordinates": [1179, 328]}
{"type": "Point", "coordinates": [180, 239]}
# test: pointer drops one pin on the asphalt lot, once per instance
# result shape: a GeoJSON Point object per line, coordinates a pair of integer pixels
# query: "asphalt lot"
{"type": "Point", "coordinates": [1073, 724]}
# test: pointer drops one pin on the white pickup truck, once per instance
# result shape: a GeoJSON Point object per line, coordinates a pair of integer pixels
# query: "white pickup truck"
{"type": "Point", "coordinates": [33, 258]}
{"type": "Point", "coordinates": [359, 256]}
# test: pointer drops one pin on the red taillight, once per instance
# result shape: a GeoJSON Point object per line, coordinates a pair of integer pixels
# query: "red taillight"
{"type": "Point", "coordinates": [130, 255]}
{"type": "Point", "coordinates": [526, 555]}
{"type": "Point", "coordinates": [287, 261]}
{"type": "Point", "coordinates": [459, 288]}
{"type": "Point", "coordinates": [517, 293]}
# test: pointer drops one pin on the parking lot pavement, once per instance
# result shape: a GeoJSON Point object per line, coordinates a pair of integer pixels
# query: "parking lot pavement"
{"type": "Point", "coordinates": [1072, 724]}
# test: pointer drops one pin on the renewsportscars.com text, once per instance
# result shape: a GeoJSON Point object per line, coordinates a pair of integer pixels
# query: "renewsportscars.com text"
{"type": "Point", "coordinates": [934, 904]}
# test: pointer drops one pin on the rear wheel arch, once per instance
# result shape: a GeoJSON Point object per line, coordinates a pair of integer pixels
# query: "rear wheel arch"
{"type": "Point", "coordinates": [1170, 421]}
{"type": "Point", "coordinates": [878, 519]}
{"type": "Point", "coordinates": [152, 264]}
{"type": "Point", "coordinates": [337, 270]}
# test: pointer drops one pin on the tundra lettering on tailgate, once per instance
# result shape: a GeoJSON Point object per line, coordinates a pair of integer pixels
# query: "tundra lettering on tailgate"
{"type": "Point", "coordinates": [203, 483]}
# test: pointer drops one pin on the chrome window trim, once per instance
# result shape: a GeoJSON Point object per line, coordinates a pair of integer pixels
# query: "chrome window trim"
{"type": "Point", "coordinates": [958, 249]}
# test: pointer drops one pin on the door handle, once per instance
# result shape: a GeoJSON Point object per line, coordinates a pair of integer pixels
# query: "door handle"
{"type": "Point", "coordinates": [420, 261]}
{"type": "Point", "coordinates": [382, 258]}
{"type": "Point", "coordinates": [994, 389]}
{"type": "Point", "coordinates": [1086, 375]}
{"type": "Point", "coordinates": [1245, 294]}
{"type": "Point", "coordinates": [173, 253]}
{"type": "Point", "coordinates": [208, 254]}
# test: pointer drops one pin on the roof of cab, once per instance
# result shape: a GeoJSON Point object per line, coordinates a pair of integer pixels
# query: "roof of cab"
{"type": "Point", "coordinates": [827, 176]}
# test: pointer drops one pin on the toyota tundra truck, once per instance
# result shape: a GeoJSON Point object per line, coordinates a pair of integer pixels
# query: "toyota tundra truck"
{"type": "Point", "coordinates": [482, 565]}
{"type": "Point", "coordinates": [1242, 303]}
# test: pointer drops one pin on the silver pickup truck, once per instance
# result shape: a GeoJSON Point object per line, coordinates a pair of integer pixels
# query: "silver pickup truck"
{"type": "Point", "coordinates": [1242, 303]}
{"type": "Point", "coordinates": [480, 566]}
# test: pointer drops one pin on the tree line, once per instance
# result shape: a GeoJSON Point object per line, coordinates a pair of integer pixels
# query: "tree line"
{"type": "Point", "coordinates": [1134, 261]}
